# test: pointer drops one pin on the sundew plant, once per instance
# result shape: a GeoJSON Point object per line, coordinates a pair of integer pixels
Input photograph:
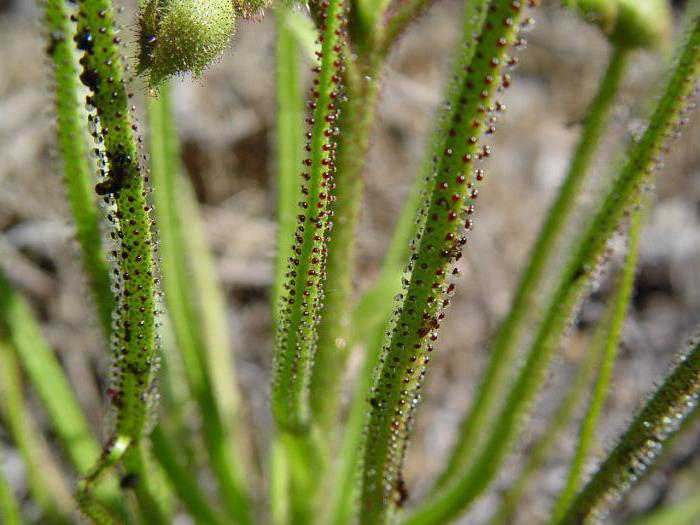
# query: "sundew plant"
{"type": "Point", "coordinates": [347, 366]}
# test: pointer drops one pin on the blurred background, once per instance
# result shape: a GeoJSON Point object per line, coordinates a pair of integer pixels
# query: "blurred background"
{"type": "Point", "coordinates": [226, 123]}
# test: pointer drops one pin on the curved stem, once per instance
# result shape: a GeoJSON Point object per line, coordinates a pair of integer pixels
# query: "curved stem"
{"type": "Point", "coordinates": [475, 425]}
{"type": "Point", "coordinates": [641, 443]}
{"type": "Point", "coordinates": [133, 388]}
{"type": "Point", "coordinates": [451, 192]}
{"type": "Point", "coordinates": [537, 454]}
{"type": "Point", "coordinates": [588, 254]}
{"type": "Point", "coordinates": [602, 385]}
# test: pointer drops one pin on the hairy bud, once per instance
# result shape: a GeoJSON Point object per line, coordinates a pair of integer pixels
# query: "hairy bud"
{"type": "Point", "coordinates": [642, 23]}
{"type": "Point", "coordinates": [630, 23]}
{"type": "Point", "coordinates": [179, 36]}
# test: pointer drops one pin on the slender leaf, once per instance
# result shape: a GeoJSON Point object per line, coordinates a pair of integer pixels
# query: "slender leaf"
{"type": "Point", "coordinates": [184, 288]}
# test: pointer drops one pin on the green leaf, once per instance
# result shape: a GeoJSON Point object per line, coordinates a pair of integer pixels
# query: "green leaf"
{"type": "Point", "coordinates": [47, 486]}
{"type": "Point", "coordinates": [196, 309]}
{"type": "Point", "coordinates": [9, 504]}
{"type": "Point", "coordinates": [618, 312]}
{"type": "Point", "coordinates": [476, 424]}
{"type": "Point", "coordinates": [572, 286]}
{"type": "Point", "coordinates": [428, 283]}
{"type": "Point", "coordinates": [299, 310]}
{"type": "Point", "coordinates": [78, 170]}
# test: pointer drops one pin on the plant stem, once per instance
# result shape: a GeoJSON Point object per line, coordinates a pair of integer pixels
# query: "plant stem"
{"type": "Point", "coordinates": [279, 483]}
{"type": "Point", "coordinates": [45, 481]}
{"type": "Point", "coordinates": [374, 307]}
{"type": "Point", "coordinates": [305, 460]}
{"type": "Point", "coordinates": [290, 112]}
{"type": "Point", "coordinates": [399, 376]}
{"type": "Point", "coordinates": [133, 389]}
{"type": "Point", "coordinates": [641, 443]}
{"type": "Point", "coordinates": [537, 454]}
{"type": "Point", "coordinates": [300, 307]}
{"type": "Point", "coordinates": [9, 504]}
{"type": "Point", "coordinates": [488, 393]}
{"type": "Point", "coordinates": [587, 256]}
{"type": "Point", "coordinates": [185, 486]}
{"type": "Point", "coordinates": [602, 385]}
{"type": "Point", "coordinates": [73, 147]}
{"type": "Point", "coordinates": [371, 311]}
{"type": "Point", "coordinates": [173, 202]}
{"type": "Point", "coordinates": [357, 117]}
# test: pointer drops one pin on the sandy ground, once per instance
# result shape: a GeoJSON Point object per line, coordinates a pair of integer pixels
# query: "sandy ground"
{"type": "Point", "coordinates": [226, 124]}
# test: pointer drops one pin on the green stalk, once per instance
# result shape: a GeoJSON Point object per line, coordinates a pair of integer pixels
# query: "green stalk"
{"type": "Point", "coordinates": [357, 117]}
{"type": "Point", "coordinates": [135, 361]}
{"type": "Point", "coordinates": [370, 312]}
{"type": "Point", "coordinates": [182, 481]}
{"type": "Point", "coordinates": [50, 383]}
{"type": "Point", "coordinates": [9, 506]}
{"type": "Point", "coordinates": [279, 484]}
{"type": "Point", "coordinates": [488, 393]}
{"type": "Point", "coordinates": [290, 112]}
{"type": "Point", "coordinates": [125, 188]}
{"type": "Point", "coordinates": [641, 443]}
{"type": "Point", "coordinates": [334, 330]}
{"type": "Point", "coordinates": [588, 426]}
{"type": "Point", "coordinates": [536, 456]}
{"type": "Point", "coordinates": [73, 148]}
{"type": "Point", "coordinates": [47, 378]}
{"type": "Point", "coordinates": [587, 255]}
{"type": "Point", "coordinates": [300, 306]}
{"type": "Point", "coordinates": [305, 461]}
{"type": "Point", "coordinates": [600, 357]}
{"type": "Point", "coordinates": [298, 459]}
{"type": "Point", "coordinates": [46, 484]}
{"type": "Point", "coordinates": [374, 307]}
{"type": "Point", "coordinates": [406, 352]}
{"type": "Point", "coordinates": [173, 202]}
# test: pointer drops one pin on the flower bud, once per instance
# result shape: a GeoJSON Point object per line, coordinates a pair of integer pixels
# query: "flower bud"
{"type": "Point", "coordinates": [177, 36]}
{"type": "Point", "coordinates": [629, 23]}
{"type": "Point", "coordinates": [642, 23]}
